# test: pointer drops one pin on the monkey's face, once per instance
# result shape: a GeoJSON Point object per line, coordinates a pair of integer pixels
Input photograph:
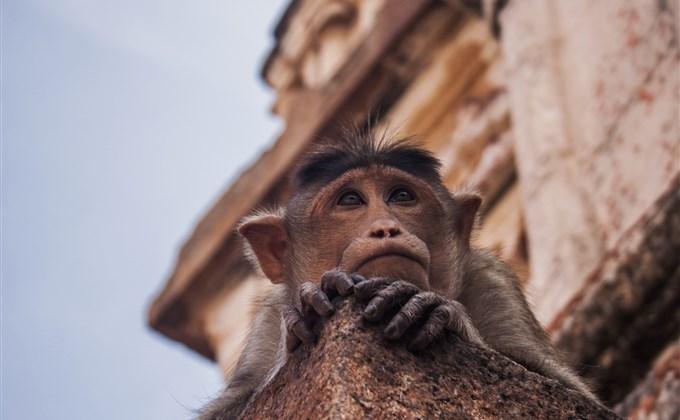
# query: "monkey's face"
{"type": "Point", "coordinates": [377, 221]}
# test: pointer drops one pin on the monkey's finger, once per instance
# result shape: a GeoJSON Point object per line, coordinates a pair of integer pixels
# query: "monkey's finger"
{"type": "Point", "coordinates": [336, 282]}
{"type": "Point", "coordinates": [390, 297]}
{"type": "Point", "coordinates": [297, 329]}
{"type": "Point", "coordinates": [368, 288]}
{"type": "Point", "coordinates": [303, 333]}
{"type": "Point", "coordinates": [292, 342]}
{"type": "Point", "coordinates": [357, 278]}
{"type": "Point", "coordinates": [433, 328]}
{"type": "Point", "coordinates": [416, 309]}
{"type": "Point", "coordinates": [461, 324]}
{"type": "Point", "coordinates": [312, 297]}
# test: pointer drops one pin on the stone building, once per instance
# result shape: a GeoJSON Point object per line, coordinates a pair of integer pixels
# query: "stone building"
{"type": "Point", "coordinates": [567, 122]}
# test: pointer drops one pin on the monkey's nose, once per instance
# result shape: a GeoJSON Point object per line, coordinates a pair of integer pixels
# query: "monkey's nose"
{"type": "Point", "coordinates": [384, 228]}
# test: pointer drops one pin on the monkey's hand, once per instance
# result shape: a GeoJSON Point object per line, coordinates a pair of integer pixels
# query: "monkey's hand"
{"type": "Point", "coordinates": [427, 312]}
{"type": "Point", "coordinates": [302, 325]}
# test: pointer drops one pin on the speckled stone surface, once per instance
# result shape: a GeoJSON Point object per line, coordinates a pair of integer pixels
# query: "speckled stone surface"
{"type": "Point", "coordinates": [352, 373]}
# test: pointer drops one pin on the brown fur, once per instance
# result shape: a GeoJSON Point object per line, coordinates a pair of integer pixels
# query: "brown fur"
{"type": "Point", "coordinates": [381, 225]}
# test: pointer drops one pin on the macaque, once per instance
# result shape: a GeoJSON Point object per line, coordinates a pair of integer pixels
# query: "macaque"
{"type": "Point", "coordinates": [372, 219]}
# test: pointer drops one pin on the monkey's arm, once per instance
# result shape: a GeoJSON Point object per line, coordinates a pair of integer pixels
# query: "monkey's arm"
{"type": "Point", "coordinates": [498, 309]}
{"type": "Point", "coordinates": [265, 348]}
{"type": "Point", "coordinates": [261, 355]}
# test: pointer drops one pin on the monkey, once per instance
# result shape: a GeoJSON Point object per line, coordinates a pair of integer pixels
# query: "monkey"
{"type": "Point", "coordinates": [370, 217]}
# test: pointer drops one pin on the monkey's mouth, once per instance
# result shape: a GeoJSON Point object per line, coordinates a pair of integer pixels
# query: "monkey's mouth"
{"type": "Point", "coordinates": [404, 258]}
{"type": "Point", "coordinates": [388, 254]}
{"type": "Point", "coordinates": [393, 253]}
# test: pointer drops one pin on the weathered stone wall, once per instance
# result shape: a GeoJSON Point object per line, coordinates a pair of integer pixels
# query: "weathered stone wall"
{"type": "Point", "coordinates": [595, 93]}
{"type": "Point", "coordinates": [657, 396]}
{"type": "Point", "coordinates": [569, 125]}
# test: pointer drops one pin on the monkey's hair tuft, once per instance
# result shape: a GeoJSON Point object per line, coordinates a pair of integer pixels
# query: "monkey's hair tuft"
{"type": "Point", "coordinates": [361, 148]}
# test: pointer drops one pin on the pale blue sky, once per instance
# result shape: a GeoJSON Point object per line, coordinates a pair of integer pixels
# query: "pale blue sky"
{"type": "Point", "coordinates": [121, 122]}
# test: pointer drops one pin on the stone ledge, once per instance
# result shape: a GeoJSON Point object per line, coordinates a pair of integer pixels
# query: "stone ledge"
{"type": "Point", "coordinates": [352, 372]}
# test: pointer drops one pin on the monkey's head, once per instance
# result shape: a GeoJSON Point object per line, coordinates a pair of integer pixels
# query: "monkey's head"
{"type": "Point", "coordinates": [370, 206]}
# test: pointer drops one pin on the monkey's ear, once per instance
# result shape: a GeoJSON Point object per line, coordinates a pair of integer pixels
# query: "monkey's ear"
{"type": "Point", "coordinates": [268, 241]}
{"type": "Point", "coordinates": [469, 204]}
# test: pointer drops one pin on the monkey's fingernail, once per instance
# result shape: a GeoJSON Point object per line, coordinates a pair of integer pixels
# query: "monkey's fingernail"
{"type": "Point", "coordinates": [357, 278]}
{"type": "Point", "coordinates": [391, 332]}
{"type": "Point", "coordinates": [345, 287]}
{"type": "Point", "coordinates": [370, 312]}
{"type": "Point", "coordinates": [292, 345]}
{"type": "Point", "coordinates": [328, 309]}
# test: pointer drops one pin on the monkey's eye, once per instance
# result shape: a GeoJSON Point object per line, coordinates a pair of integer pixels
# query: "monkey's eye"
{"type": "Point", "coordinates": [400, 195]}
{"type": "Point", "coordinates": [350, 198]}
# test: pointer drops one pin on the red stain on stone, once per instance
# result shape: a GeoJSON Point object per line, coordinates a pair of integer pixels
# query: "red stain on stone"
{"type": "Point", "coordinates": [625, 191]}
{"type": "Point", "coordinates": [646, 96]}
